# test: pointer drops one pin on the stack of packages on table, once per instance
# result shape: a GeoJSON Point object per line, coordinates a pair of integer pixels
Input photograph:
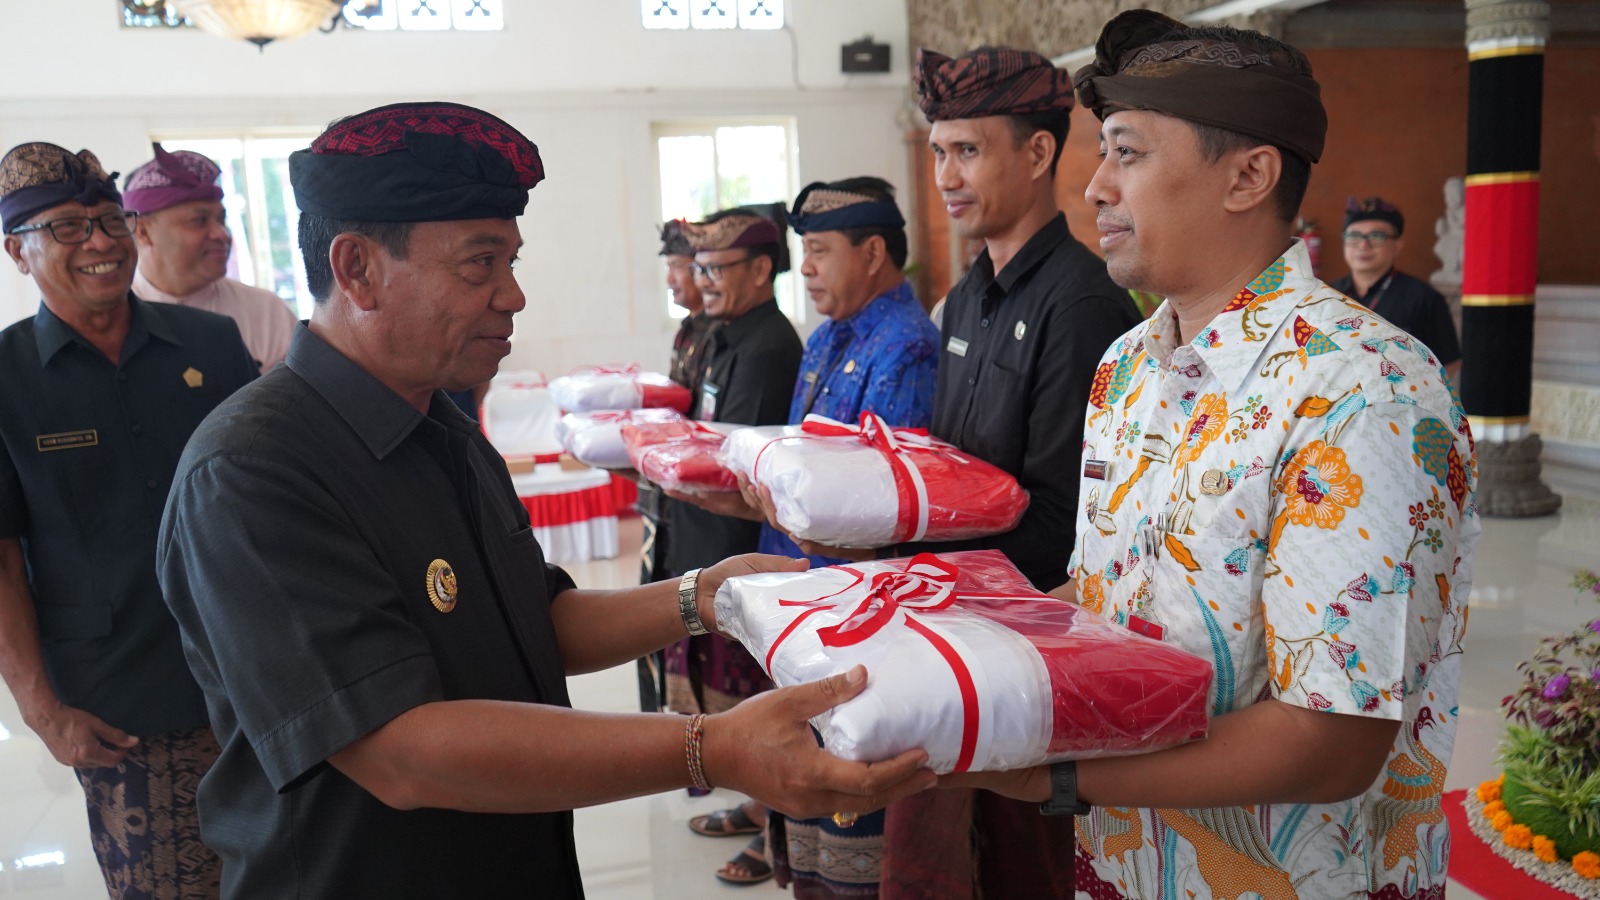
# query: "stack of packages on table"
{"type": "Point", "coordinates": [873, 486]}
{"type": "Point", "coordinates": [967, 661]}
{"type": "Point", "coordinates": [597, 388]}
{"type": "Point", "coordinates": [677, 453]}
{"type": "Point", "coordinates": [595, 438]}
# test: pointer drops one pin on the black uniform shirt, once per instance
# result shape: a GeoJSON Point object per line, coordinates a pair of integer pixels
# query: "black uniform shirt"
{"type": "Point", "coordinates": [1020, 350]}
{"type": "Point", "coordinates": [751, 366]}
{"type": "Point", "coordinates": [1413, 306]}
{"type": "Point", "coordinates": [689, 355]}
{"type": "Point", "coordinates": [300, 553]}
{"type": "Point", "coordinates": [89, 448]}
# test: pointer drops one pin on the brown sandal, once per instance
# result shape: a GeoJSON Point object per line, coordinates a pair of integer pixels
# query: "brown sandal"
{"type": "Point", "coordinates": [748, 866]}
{"type": "Point", "coordinates": [725, 823]}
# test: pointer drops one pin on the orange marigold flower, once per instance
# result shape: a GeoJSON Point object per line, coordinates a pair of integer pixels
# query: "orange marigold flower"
{"type": "Point", "coordinates": [1501, 780]}
{"type": "Point", "coordinates": [1489, 791]}
{"type": "Point", "coordinates": [1519, 837]}
{"type": "Point", "coordinates": [1319, 486]}
{"type": "Point", "coordinates": [1587, 864]}
{"type": "Point", "coordinates": [1501, 821]}
{"type": "Point", "coordinates": [1545, 849]}
{"type": "Point", "coordinates": [1493, 807]}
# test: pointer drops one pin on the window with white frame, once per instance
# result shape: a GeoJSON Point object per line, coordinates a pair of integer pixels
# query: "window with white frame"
{"type": "Point", "coordinates": [712, 15]}
{"type": "Point", "coordinates": [704, 166]}
{"type": "Point", "coordinates": [260, 208]}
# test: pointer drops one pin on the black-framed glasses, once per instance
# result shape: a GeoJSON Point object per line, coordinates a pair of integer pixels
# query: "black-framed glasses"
{"type": "Point", "coordinates": [78, 229]}
{"type": "Point", "coordinates": [714, 271]}
{"type": "Point", "coordinates": [1375, 238]}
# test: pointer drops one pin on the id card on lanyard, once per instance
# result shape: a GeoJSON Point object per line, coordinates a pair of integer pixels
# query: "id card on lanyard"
{"type": "Point", "coordinates": [708, 402]}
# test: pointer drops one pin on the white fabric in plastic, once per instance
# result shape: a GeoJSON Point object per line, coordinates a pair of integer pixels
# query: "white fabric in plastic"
{"type": "Point", "coordinates": [520, 420]}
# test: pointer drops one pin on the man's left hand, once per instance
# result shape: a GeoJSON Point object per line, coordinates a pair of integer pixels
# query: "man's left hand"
{"type": "Point", "coordinates": [711, 578]}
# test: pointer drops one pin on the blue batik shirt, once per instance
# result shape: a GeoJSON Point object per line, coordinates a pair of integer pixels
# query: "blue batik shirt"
{"type": "Point", "coordinates": [883, 359]}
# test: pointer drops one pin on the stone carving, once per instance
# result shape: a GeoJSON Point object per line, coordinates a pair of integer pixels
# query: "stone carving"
{"type": "Point", "coordinates": [1493, 20]}
{"type": "Point", "coordinates": [1508, 480]}
{"type": "Point", "coordinates": [1451, 231]}
{"type": "Point", "coordinates": [1051, 27]}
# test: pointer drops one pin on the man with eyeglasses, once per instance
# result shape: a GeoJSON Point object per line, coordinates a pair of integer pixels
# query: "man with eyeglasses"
{"type": "Point", "coordinates": [102, 392]}
{"type": "Point", "coordinates": [183, 240]}
{"type": "Point", "coordinates": [1372, 242]}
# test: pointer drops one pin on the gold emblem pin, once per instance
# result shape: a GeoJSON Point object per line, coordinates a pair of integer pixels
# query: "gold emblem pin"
{"type": "Point", "coordinates": [849, 367]}
{"type": "Point", "coordinates": [1020, 330]}
{"type": "Point", "coordinates": [192, 377]}
{"type": "Point", "coordinates": [1214, 483]}
{"type": "Point", "coordinates": [442, 588]}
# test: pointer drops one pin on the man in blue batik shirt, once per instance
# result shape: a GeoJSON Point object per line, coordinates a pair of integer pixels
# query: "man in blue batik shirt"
{"type": "Point", "coordinates": [878, 352]}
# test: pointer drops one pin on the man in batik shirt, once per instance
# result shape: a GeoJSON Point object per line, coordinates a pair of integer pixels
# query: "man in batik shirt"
{"type": "Point", "coordinates": [1275, 479]}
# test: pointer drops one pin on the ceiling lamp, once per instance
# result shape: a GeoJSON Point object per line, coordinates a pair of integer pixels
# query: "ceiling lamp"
{"type": "Point", "coordinates": [258, 21]}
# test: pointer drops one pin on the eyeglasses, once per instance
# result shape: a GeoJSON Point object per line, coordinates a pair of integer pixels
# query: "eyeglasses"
{"type": "Point", "coordinates": [78, 229]}
{"type": "Point", "coordinates": [714, 271]}
{"type": "Point", "coordinates": [1375, 238]}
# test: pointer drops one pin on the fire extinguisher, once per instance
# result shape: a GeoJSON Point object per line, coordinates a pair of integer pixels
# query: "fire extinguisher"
{"type": "Point", "coordinates": [1306, 230]}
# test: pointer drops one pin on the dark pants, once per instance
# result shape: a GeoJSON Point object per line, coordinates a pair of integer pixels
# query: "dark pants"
{"type": "Point", "coordinates": [143, 822]}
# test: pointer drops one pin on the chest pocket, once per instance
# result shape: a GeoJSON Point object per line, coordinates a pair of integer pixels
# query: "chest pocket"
{"type": "Point", "coordinates": [1206, 590]}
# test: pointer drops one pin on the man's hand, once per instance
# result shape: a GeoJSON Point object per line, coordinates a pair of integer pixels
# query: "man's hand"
{"type": "Point", "coordinates": [759, 497]}
{"type": "Point", "coordinates": [81, 740]}
{"type": "Point", "coordinates": [749, 564]}
{"type": "Point", "coordinates": [1029, 785]}
{"type": "Point", "coordinates": [721, 503]}
{"type": "Point", "coordinates": [765, 748]}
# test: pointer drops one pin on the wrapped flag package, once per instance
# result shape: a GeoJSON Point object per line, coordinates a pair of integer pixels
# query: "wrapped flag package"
{"type": "Point", "coordinates": [595, 438]}
{"type": "Point", "coordinates": [966, 661]}
{"type": "Point", "coordinates": [869, 485]}
{"type": "Point", "coordinates": [678, 454]}
{"type": "Point", "coordinates": [596, 388]}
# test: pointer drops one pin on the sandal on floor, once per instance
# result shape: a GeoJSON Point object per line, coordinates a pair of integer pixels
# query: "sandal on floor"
{"type": "Point", "coordinates": [749, 866]}
{"type": "Point", "coordinates": [725, 823]}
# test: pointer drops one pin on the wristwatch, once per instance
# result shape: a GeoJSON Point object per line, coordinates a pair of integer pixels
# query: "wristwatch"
{"type": "Point", "coordinates": [688, 607]}
{"type": "Point", "coordinates": [1064, 792]}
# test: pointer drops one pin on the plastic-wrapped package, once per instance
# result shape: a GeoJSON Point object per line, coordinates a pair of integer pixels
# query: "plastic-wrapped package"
{"type": "Point", "coordinates": [598, 388]}
{"type": "Point", "coordinates": [872, 486]}
{"type": "Point", "coordinates": [595, 438]}
{"type": "Point", "coordinates": [967, 661]}
{"type": "Point", "coordinates": [678, 454]}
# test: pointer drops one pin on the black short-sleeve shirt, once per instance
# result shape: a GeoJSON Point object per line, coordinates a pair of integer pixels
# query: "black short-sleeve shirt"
{"type": "Point", "coordinates": [1413, 306]}
{"type": "Point", "coordinates": [750, 367]}
{"type": "Point", "coordinates": [89, 448]}
{"type": "Point", "coordinates": [300, 553]}
{"type": "Point", "coordinates": [1020, 350]}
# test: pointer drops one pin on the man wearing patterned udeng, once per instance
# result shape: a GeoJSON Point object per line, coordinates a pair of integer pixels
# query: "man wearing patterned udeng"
{"type": "Point", "coordinates": [1274, 479]}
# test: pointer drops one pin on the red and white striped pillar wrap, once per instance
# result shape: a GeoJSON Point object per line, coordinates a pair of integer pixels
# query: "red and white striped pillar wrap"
{"type": "Point", "coordinates": [1500, 258]}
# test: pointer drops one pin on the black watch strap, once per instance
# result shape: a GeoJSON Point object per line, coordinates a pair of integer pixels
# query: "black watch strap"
{"type": "Point", "coordinates": [1064, 792]}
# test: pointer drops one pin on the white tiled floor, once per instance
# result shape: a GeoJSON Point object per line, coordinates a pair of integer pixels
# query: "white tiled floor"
{"type": "Point", "coordinates": [642, 849]}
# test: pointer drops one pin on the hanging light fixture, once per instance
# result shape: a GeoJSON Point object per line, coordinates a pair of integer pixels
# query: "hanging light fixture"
{"type": "Point", "coordinates": [258, 21]}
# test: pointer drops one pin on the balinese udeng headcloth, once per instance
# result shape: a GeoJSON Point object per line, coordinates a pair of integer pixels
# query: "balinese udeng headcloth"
{"type": "Point", "coordinates": [417, 162]}
{"type": "Point", "coordinates": [990, 81]}
{"type": "Point", "coordinates": [822, 208]}
{"type": "Point", "coordinates": [37, 176]}
{"type": "Point", "coordinates": [171, 179]}
{"type": "Point", "coordinates": [1138, 65]}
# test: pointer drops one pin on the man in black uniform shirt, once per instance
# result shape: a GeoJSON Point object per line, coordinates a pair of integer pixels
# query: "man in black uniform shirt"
{"type": "Point", "coordinates": [1022, 334]}
{"type": "Point", "coordinates": [1372, 241]}
{"type": "Point", "coordinates": [102, 390]}
{"type": "Point", "coordinates": [381, 644]}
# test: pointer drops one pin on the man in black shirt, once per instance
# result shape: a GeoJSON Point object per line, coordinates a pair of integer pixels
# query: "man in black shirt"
{"type": "Point", "coordinates": [1372, 242]}
{"type": "Point", "coordinates": [102, 390]}
{"type": "Point", "coordinates": [381, 644]}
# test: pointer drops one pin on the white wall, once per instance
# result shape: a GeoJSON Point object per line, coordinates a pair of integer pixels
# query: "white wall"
{"type": "Point", "coordinates": [585, 86]}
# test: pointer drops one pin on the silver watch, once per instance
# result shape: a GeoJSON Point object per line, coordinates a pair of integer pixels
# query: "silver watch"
{"type": "Point", "coordinates": [688, 608]}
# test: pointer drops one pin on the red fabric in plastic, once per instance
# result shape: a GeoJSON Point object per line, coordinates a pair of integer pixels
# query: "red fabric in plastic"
{"type": "Point", "coordinates": [678, 454]}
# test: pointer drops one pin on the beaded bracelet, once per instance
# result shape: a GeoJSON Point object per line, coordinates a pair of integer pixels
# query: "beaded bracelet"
{"type": "Point", "coordinates": [694, 736]}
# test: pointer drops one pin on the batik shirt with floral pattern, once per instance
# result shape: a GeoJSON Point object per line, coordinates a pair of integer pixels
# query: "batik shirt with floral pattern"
{"type": "Point", "coordinates": [1290, 495]}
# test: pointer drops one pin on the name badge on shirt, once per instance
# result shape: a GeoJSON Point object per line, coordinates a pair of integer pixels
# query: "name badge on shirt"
{"type": "Point", "coordinates": [708, 402]}
{"type": "Point", "coordinates": [67, 440]}
{"type": "Point", "coordinates": [1096, 469]}
{"type": "Point", "coordinates": [957, 346]}
{"type": "Point", "coordinates": [1147, 626]}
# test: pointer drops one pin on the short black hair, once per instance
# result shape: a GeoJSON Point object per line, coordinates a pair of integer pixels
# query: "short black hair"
{"type": "Point", "coordinates": [894, 239]}
{"type": "Point", "coordinates": [1055, 122]}
{"type": "Point", "coordinates": [316, 239]}
{"type": "Point", "coordinates": [1217, 142]}
{"type": "Point", "coordinates": [778, 215]}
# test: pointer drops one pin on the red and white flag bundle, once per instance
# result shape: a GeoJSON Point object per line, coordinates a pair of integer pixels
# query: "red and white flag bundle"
{"type": "Point", "coordinates": [678, 454]}
{"type": "Point", "coordinates": [596, 388]}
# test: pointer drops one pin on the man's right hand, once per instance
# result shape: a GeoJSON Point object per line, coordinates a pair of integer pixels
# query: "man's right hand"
{"type": "Point", "coordinates": [82, 740]}
{"type": "Point", "coordinates": [765, 748]}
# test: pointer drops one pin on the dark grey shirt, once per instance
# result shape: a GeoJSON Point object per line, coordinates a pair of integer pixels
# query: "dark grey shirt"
{"type": "Point", "coordinates": [298, 552]}
{"type": "Point", "coordinates": [1020, 350]}
{"type": "Point", "coordinates": [89, 448]}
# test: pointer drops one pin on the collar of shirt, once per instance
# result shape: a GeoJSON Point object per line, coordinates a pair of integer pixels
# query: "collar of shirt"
{"type": "Point", "coordinates": [145, 321]}
{"type": "Point", "coordinates": [1035, 251]}
{"type": "Point", "coordinates": [379, 416]}
{"type": "Point", "coordinates": [1233, 342]}
{"type": "Point", "coordinates": [144, 290]}
{"type": "Point", "coordinates": [731, 332]}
